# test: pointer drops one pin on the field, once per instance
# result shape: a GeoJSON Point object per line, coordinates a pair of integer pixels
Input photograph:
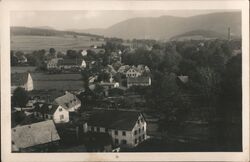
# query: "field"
{"type": "Point", "coordinates": [27, 44]}
{"type": "Point", "coordinates": [57, 81]}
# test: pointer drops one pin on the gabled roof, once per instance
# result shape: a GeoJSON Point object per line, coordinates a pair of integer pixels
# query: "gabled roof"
{"type": "Point", "coordinates": [114, 119]}
{"type": "Point", "coordinates": [70, 62]}
{"type": "Point", "coordinates": [34, 134]}
{"type": "Point", "coordinates": [183, 79]}
{"type": "Point", "coordinates": [138, 80]}
{"type": "Point", "coordinates": [45, 108]}
{"type": "Point", "coordinates": [67, 101]}
{"type": "Point", "coordinates": [123, 68]}
{"type": "Point", "coordinates": [19, 79]}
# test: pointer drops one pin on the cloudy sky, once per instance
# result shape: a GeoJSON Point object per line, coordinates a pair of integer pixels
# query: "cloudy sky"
{"type": "Point", "coordinates": [66, 20]}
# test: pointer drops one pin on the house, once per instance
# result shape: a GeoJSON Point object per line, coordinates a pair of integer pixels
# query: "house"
{"type": "Point", "coordinates": [23, 80]}
{"type": "Point", "coordinates": [47, 111]}
{"type": "Point", "coordinates": [53, 63]}
{"type": "Point", "coordinates": [127, 128]}
{"type": "Point", "coordinates": [108, 85]}
{"type": "Point", "coordinates": [21, 59]}
{"type": "Point", "coordinates": [69, 102]}
{"type": "Point", "coordinates": [47, 96]}
{"type": "Point", "coordinates": [133, 72]}
{"type": "Point", "coordinates": [97, 50]}
{"type": "Point", "coordinates": [138, 81]}
{"type": "Point", "coordinates": [123, 69]}
{"type": "Point", "coordinates": [36, 137]}
{"type": "Point", "coordinates": [67, 64]}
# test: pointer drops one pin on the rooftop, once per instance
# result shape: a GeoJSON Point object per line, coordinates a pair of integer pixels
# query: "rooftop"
{"type": "Point", "coordinates": [67, 101]}
{"type": "Point", "coordinates": [34, 134]}
{"type": "Point", "coordinates": [138, 80]}
{"type": "Point", "coordinates": [114, 119]}
{"type": "Point", "coordinates": [70, 62]}
{"type": "Point", "coordinates": [45, 108]}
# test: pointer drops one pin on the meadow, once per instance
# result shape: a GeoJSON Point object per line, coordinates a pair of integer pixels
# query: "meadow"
{"type": "Point", "coordinates": [43, 81]}
{"type": "Point", "coordinates": [29, 43]}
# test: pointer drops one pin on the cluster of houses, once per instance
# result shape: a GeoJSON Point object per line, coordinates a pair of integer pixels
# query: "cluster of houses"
{"type": "Point", "coordinates": [66, 64]}
{"type": "Point", "coordinates": [134, 75]}
{"type": "Point", "coordinates": [125, 128]}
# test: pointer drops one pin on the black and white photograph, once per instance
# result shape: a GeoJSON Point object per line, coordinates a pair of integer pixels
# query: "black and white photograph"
{"type": "Point", "coordinates": [126, 81]}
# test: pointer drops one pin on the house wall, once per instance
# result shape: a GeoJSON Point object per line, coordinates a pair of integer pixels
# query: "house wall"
{"type": "Point", "coordinates": [58, 113]}
{"type": "Point", "coordinates": [132, 73]}
{"type": "Point", "coordinates": [141, 135]}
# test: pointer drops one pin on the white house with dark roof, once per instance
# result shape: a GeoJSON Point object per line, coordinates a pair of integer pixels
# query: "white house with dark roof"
{"type": "Point", "coordinates": [23, 80]}
{"type": "Point", "coordinates": [34, 137]}
{"type": "Point", "coordinates": [127, 128]}
{"type": "Point", "coordinates": [69, 102]}
{"type": "Point", "coordinates": [51, 111]}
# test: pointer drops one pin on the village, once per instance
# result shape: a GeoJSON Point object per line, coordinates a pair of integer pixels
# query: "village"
{"type": "Point", "coordinates": [120, 96]}
{"type": "Point", "coordinates": [100, 113]}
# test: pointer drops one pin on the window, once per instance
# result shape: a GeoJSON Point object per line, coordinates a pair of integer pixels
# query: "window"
{"type": "Point", "coordinates": [138, 121]}
{"type": "Point", "coordinates": [123, 133]}
{"type": "Point", "coordinates": [61, 117]}
{"type": "Point", "coordinates": [116, 132]}
{"type": "Point", "coordinates": [98, 129]}
{"type": "Point", "coordinates": [106, 130]}
{"type": "Point", "coordinates": [135, 133]}
{"type": "Point", "coordinates": [135, 141]}
{"type": "Point", "coordinates": [143, 136]}
{"type": "Point", "coordinates": [92, 129]}
{"type": "Point", "coordinates": [143, 128]}
{"type": "Point", "coordinates": [139, 130]}
{"type": "Point", "coordinates": [139, 139]}
{"type": "Point", "coordinates": [116, 141]}
{"type": "Point", "coordinates": [124, 142]}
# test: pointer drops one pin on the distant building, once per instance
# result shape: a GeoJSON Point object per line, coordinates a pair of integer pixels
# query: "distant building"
{"type": "Point", "coordinates": [69, 102]}
{"type": "Point", "coordinates": [138, 81]}
{"type": "Point", "coordinates": [133, 72]}
{"type": "Point", "coordinates": [21, 59]}
{"type": "Point", "coordinates": [140, 70]}
{"type": "Point", "coordinates": [23, 80]}
{"type": "Point", "coordinates": [127, 128]}
{"type": "Point", "coordinates": [123, 69]}
{"type": "Point", "coordinates": [97, 50]}
{"type": "Point", "coordinates": [51, 111]}
{"type": "Point", "coordinates": [34, 137]}
{"type": "Point", "coordinates": [53, 63]}
{"type": "Point", "coordinates": [67, 64]}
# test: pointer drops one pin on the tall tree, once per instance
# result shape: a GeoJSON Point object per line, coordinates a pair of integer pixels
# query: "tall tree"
{"type": "Point", "coordinates": [20, 97]}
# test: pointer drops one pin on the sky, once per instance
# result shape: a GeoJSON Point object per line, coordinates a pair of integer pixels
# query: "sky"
{"type": "Point", "coordinates": [67, 20]}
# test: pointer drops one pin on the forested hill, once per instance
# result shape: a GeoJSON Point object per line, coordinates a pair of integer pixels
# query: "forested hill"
{"type": "Point", "coordinates": [166, 27]}
{"type": "Point", "coordinates": [28, 31]}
